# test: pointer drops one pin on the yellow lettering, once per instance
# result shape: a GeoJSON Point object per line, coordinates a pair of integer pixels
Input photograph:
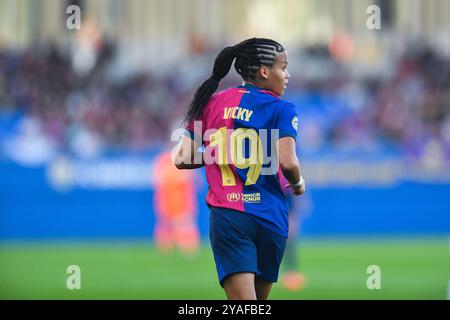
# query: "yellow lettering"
{"type": "Point", "coordinates": [237, 113]}
{"type": "Point", "coordinates": [227, 113]}
{"type": "Point", "coordinates": [233, 115]}
{"type": "Point", "coordinates": [240, 114]}
{"type": "Point", "coordinates": [249, 114]}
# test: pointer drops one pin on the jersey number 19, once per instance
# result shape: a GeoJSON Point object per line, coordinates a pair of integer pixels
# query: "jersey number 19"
{"type": "Point", "coordinates": [236, 147]}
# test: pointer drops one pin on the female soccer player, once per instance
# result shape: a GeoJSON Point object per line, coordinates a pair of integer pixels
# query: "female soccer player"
{"type": "Point", "coordinates": [238, 127]}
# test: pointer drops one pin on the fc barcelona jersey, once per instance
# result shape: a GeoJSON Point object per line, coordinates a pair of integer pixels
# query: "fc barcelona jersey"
{"type": "Point", "coordinates": [238, 129]}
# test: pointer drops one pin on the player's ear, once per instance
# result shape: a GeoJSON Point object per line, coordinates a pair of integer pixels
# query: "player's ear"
{"type": "Point", "coordinates": [264, 72]}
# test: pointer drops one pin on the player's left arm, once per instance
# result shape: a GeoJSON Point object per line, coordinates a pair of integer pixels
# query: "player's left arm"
{"type": "Point", "coordinates": [286, 121]}
{"type": "Point", "coordinates": [187, 154]}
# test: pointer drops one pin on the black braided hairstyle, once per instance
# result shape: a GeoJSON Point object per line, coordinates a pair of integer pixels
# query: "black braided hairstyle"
{"type": "Point", "coordinates": [250, 55]}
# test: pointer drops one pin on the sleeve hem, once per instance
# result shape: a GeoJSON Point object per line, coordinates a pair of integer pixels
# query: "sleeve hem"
{"type": "Point", "coordinates": [287, 134]}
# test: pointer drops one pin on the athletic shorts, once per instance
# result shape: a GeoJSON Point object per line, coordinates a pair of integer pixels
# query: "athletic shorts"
{"type": "Point", "coordinates": [241, 244]}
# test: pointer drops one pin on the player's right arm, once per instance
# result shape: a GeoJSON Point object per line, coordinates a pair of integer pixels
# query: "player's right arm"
{"type": "Point", "coordinates": [290, 165]}
{"type": "Point", "coordinates": [187, 155]}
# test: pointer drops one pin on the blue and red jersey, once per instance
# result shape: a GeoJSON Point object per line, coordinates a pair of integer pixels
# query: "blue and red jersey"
{"type": "Point", "coordinates": [239, 127]}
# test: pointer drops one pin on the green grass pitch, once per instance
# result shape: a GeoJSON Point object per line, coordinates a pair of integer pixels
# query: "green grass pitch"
{"type": "Point", "coordinates": [411, 268]}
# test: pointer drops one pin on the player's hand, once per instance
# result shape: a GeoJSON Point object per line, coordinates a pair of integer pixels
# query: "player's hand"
{"type": "Point", "coordinates": [297, 191]}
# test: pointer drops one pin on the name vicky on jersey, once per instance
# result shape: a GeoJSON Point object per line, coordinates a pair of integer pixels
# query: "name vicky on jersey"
{"type": "Point", "coordinates": [237, 113]}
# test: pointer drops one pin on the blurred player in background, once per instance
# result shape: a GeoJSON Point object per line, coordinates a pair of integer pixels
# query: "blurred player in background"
{"type": "Point", "coordinates": [175, 207]}
{"type": "Point", "coordinates": [249, 213]}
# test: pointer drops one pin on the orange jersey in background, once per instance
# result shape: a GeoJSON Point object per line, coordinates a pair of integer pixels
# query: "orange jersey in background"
{"type": "Point", "coordinates": [174, 188]}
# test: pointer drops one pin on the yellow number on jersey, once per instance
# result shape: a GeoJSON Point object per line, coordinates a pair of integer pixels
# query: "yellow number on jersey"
{"type": "Point", "coordinates": [237, 138]}
{"type": "Point", "coordinates": [219, 139]}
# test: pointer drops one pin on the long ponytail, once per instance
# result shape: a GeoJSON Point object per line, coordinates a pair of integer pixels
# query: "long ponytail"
{"type": "Point", "coordinates": [222, 66]}
{"type": "Point", "coordinates": [250, 55]}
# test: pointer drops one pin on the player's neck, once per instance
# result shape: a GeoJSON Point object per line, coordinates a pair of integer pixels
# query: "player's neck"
{"type": "Point", "coordinates": [252, 84]}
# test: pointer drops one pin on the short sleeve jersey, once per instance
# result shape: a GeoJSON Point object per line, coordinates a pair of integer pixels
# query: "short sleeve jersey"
{"type": "Point", "coordinates": [238, 129]}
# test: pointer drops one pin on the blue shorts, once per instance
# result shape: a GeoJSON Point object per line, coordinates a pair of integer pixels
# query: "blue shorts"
{"type": "Point", "coordinates": [241, 244]}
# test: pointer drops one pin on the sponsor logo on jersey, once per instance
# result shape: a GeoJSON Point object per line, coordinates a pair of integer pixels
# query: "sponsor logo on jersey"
{"type": "Point", "coordinates": [251, 197]}
{"type": "Point", "coordinates": [244, 197]}
{"type": "Point", "coordinates": [233, 197]}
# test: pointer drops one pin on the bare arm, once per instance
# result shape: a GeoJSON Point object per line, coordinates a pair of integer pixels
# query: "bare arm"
{"type": "Point", "coordinates": [289, 164]}
{"type": "Point", "coordinates": [186, 155]}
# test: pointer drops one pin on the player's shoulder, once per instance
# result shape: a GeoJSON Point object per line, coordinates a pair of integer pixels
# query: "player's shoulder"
{"type": "Point", "coordinates": [266, 97]}
{"type": "Point", "coordinates": [217, 99]}
{"type": "Point", "coordinates": [274, 100]}
{"type": "Point", "coordinates": [284, 106]}
{"type": "Point", "coordinates": [286, 111]}
{"type": "Point", "coordinates": [224, 93]}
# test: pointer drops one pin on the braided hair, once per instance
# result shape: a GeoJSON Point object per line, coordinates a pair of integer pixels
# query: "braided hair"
{"type": "Point", "coordinates": [250, 55]}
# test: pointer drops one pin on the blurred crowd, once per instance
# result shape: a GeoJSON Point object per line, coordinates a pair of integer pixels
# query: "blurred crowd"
{"type": "Point", "coordinates": [64, 107]}
{"type": "Point", "coordinates": [84, 112]}
{"type": "Point", "coordinates": [408, 110]}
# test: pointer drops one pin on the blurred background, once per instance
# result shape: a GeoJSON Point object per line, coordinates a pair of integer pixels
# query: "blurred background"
{"type": "Point", "coordinates": [86, 116]}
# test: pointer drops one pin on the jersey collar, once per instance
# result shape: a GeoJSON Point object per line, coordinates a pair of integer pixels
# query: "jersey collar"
{"type": "Point", "coordinates": [249, 86]}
